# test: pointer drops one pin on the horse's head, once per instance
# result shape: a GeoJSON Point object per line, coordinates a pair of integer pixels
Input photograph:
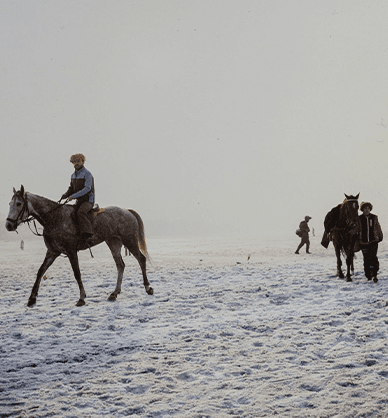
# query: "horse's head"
{"type": "Point", "coordinates": [349, 211]}
{"type": "Point", "coordinates": [18, 210]}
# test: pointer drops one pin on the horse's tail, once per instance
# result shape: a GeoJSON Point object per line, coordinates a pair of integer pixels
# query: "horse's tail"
{"type": "Point", "coordinates": [142, 242]}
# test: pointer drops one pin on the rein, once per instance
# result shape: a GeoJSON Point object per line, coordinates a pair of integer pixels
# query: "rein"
{"type": "Point", "coordinates": [351, 223]}
{"type": "Point", "coordinates": [31, 218]}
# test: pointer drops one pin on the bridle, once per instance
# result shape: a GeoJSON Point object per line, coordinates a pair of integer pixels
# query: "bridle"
{"type": "Point", "coordinates": [30, 218]}
{"type": "Point", "coordinates": [21, 213]}
{"type": "Point", "coordinates": [351, 223]}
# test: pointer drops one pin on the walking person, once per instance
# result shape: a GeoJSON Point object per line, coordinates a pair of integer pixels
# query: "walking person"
{"type": "Point", "coordinates": [304, 234]}
{"type": "Point", "coordinates": [81, 188]}
{"type": "Point", "coordinates": [370, 236]}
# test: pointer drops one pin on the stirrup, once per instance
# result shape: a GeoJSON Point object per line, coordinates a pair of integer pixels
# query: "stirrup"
{"type": "Point", "coordinates": [85, 240]}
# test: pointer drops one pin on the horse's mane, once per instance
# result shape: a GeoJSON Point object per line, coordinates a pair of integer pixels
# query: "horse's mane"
{"type": "Point", "coordinates": [333, 217]}
{"type": "Point", "coordinates": [35, 196]}
{"type": "Point", "coordinates": [42, 202]}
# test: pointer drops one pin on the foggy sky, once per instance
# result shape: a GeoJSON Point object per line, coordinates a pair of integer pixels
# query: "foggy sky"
{"type": "Point", "coordinates": [228, 115]}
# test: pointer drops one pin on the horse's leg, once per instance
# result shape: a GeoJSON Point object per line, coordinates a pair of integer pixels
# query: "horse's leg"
{"type": "Point", "coordinates": [339, 263]}
{"type": "Point", "coordinates": [349, 262]}
{"type": "Point", "coordinates": [73, 258]}
{"type": "Point", "coordinates": [134, 249]}
{"type": "Point", "coordinates": [49, 259]}
{"type": "Point", "coordinates": [114, 245]}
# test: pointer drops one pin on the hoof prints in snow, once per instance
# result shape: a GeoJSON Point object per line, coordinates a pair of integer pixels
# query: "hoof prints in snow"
{"type": "Point", "coordinates": [213, 341]}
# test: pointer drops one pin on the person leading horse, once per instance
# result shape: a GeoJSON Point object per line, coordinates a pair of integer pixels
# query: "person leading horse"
{"type": "Point", "coordinates": [342, 225]}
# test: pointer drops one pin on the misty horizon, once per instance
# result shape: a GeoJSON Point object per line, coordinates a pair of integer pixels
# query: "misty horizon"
{"type": "Point", "coordinates": [202, 116]}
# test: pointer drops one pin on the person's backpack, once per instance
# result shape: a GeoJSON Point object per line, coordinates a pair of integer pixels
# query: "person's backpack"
{"type": "Point", "coordinates": [299, 233]}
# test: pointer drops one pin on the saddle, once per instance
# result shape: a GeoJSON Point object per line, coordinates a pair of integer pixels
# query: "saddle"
{"type": "Point", "coordinates": [97, 210]}
{"type": "Point", "coordinates": [329, 223]}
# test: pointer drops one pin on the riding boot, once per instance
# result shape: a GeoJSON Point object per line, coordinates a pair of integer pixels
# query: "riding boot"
{"type": "Point", "coordinates": [84, 224]}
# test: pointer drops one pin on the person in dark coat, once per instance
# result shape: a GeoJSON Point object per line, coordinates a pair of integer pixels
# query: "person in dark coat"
{"type": "Point", "coordinates": [370, 236]}
{"type": "Point", "coordinates": [81, 188]}
{"type": "Point", "coordinates": [304, 235]}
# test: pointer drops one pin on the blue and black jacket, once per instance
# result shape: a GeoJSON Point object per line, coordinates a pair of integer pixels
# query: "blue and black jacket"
{"type": "Point", "coordinates": [81, 186]}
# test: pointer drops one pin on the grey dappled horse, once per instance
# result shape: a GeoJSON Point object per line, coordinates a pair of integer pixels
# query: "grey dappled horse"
{"type": "Point", "coordinates": [115, 226]}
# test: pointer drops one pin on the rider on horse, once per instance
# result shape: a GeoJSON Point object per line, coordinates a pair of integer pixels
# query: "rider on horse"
{"type": "Point", "coordinates": [82, 189]}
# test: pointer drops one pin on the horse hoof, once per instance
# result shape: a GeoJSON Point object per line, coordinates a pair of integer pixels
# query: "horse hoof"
{"type": "Point", "coordinates": [149, 290]}
{"type": "Point", "coordinates": [349, 279]}
{"type": "Point", "coordinates": [31, 302]}
{"type": "Point", "coordinates": [375, 279]}
{"type": "Point", "coordinates": [81, 302]}
{"type": "Point", "coordinates": [112, 297]}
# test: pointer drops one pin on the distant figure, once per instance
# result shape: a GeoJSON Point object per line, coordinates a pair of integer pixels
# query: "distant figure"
{"type": "Point", "coordinates": [81, 188]}
{"type": "Point", "coordinates": [313, 232]}
{"type": "Point", "coordinates": [304, 234]}
{"type": "Point", "coordinates": [22, 245]}
{"type": "Point", "coordinates": [370, 236]}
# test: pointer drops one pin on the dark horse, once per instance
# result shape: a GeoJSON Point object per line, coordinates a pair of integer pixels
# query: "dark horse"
{"type": "Point", "coordinates": [343, 224]}
{"type": "Point", "coordinates": [114, 225]}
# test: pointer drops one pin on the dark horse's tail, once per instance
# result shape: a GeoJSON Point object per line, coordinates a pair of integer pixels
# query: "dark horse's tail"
{"type": "Point", "coordinates": [142, 242]}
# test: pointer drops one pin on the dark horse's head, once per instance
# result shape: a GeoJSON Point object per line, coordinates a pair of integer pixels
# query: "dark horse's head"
{"type": "Point", "coordinates": [349, 212]}
{"type": "Point", "coordinates": [18, 210]}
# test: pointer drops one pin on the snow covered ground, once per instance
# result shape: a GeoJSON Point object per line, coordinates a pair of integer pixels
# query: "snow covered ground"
{"type": "Point", "coordinates": [277, 334]}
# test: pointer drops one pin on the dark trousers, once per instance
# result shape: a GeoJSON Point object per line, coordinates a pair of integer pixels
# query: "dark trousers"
{"type": "Point", "coordinates": [84, 224]}
{"type": "Point", "coordinates": [303, 241]}
{"type": "Point", "coordinates": [371, 262]}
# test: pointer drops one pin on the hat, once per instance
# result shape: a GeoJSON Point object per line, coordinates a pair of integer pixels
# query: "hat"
{"type": "Point", "coordinates": [363, 204]}
{"type": "Point", "coordinates": [77, 157]}
{"type": "Point", "coordinates": [307, 218]}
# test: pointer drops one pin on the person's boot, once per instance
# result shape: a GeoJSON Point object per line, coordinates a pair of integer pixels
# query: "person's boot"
{"type": "Point", "coordinates": [374, 275]}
